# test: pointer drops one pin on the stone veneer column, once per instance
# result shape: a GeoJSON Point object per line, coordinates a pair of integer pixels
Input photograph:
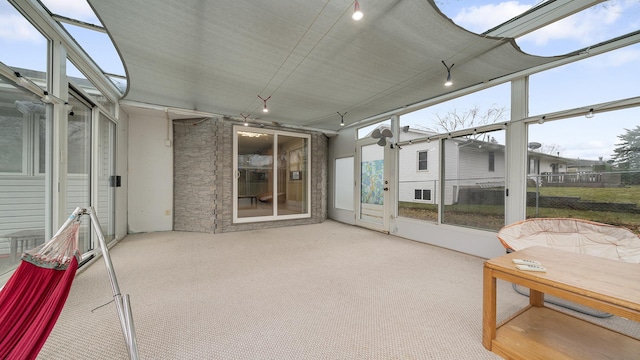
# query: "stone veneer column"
{"type": "Point", "coordinates": [195, 181]}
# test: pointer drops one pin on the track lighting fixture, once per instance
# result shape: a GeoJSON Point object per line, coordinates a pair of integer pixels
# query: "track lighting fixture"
{"type": "Point", "coordinates": [589, 114]}
{"type": "Point", "coordinates": [428, 140]}
{"type": "Point", "coordinates": [246, 123]}
{"type": "Point", "coordinates": [264, 108]}
{"type": "Point", "coordinates": [542, 119]}
{"type": "Point", "coordinates": [357, 14]}
{"type": "Point", "coordinates": [342, 118]}
{"type": "Point", "coordinates": [448, 82]}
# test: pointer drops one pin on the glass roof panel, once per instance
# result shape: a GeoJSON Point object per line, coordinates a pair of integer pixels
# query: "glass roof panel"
{"type": "Point", "coordinates": [79, 10]}
{"type": "Point", "coordinates": [95, 43]}
{"type": "Point", "coordinates": [594, 25]}
{"type": "Point", "coordinates": [601, 22]}
{"type": "Point", "coordinates": [17, 38]}
{"type": "Point", "coordinates": [99, 47]}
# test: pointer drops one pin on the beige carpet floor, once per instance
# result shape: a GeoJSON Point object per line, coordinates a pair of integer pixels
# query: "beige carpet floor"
{"type": "Point", "coordinates": [323, 291]}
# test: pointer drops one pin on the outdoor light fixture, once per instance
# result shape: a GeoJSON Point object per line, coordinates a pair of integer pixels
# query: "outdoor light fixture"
{"type": "Point", "coordinates": [21, 79]}
{"type": "Point", "coordinates": [357, 14]}
{"type": "Point", "coordinates": [342, 118]}
{"type": "Point", "coordinates": [264, 108]}
{"type": "Point", "coordinates": [246, 123]}
{"type": "Point", "coordinates": [46, 98]}
{"type": "Point", "coordinates": [448, 82]}
{"type": "Point", "coordinates": [589, 114]}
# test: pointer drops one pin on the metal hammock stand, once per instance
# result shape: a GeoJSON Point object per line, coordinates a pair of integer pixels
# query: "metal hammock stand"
{"type": "Point", "coordinates": [122, 302]}
{"type": "Point", "coordinates": [34, 296]}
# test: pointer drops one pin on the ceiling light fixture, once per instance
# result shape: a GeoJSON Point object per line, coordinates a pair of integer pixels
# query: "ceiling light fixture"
{"type": "Point", "coordinates": [264, 108]}
{"type": "Point", "coordinates": [589, 114]}
{"type": "Point", "coordinates": [246, 123]}
{"type": "Point", "coordinates": [448, 82]}
{"type": "Point", "coordinates": [357, 14]}
{"type": "Point", "coordinates": [342, 118]}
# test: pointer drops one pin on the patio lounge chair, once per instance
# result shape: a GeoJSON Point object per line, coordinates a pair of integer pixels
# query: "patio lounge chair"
{"type": "Point", "coordinates": [576, 235]}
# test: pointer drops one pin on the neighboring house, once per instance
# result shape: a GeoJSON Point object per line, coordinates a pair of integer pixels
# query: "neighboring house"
{"type": "Point", "coordinates": [472, 163]}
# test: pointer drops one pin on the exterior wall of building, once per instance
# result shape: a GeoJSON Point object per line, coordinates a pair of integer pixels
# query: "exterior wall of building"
{"type": "Point", "coordinates": [411, 179]}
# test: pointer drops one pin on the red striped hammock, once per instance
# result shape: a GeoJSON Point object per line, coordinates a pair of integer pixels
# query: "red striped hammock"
{"type": "Point", "coordinates": [32, 299]}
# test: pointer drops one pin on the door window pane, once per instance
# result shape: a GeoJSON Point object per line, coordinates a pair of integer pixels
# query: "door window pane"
{"type": "Point", "coordinates": [255, 174]}
{"type": "Point", "coordinates": [292, 175]}
{"type": "Point", "coordinates": [79, 165]}
{"type": "Point", "coordinates": [106, 176]}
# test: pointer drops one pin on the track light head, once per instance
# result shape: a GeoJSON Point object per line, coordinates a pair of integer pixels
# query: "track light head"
{"type": "Point", "coordinates": [342, 117]}
{"type": "Point", "coordinates": [448, 82]}
{"type": "Point", "coordinates": [357, 13]}
{"type": "Point", "coordinates": [264, 107]}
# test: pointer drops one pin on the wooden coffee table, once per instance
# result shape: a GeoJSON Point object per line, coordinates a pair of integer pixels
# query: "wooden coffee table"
{"type": "Point", "coordinates": [539, 332]}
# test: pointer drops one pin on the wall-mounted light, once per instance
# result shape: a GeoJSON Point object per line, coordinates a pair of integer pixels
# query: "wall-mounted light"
{"type": "Point", "coordinates": [448, 82]}
{"type": "Point", "coordinates": [589, 114]}
{"type": "Point", "coordinates": [342, 118]}
{"type": "Point", "coordinates": [357, 13]}
{"type": "Point", "coordinates": [264, 108]}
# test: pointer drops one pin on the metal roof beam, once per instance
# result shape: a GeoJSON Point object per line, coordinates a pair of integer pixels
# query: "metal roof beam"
{"type": "Point", "coordinates": [539, 16]}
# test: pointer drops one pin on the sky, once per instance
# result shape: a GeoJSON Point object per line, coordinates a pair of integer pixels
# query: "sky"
{"type": "Point", "coordinates": [602, 78]}
{"type": "Point", "coordinates": [608, 77]}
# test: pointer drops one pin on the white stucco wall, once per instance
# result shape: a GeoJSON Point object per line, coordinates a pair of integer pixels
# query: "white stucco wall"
{"type": "Point", "coordinates": [150, 182]}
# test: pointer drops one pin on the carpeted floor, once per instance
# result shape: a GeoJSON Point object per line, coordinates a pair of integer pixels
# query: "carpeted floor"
{"type": "Point", "coordinates": [324, 291]}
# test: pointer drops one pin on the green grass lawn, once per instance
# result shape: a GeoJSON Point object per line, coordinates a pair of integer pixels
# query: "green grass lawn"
{"type": "Point", "coordinates": [491, 217]}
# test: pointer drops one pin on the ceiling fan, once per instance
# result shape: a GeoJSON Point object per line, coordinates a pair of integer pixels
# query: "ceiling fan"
{"type": "Point", "coordinates": [382, 135]}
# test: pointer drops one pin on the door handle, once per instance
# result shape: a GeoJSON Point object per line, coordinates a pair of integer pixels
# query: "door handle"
{"type": "Point", "coordinates": [386, 189]}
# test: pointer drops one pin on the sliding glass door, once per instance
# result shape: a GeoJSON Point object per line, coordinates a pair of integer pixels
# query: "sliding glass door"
{"type": "Point", "coordinates": [272, 175]}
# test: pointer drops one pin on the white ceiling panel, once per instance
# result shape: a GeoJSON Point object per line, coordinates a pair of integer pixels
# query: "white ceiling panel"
{"type": "Point", "coordinates": [309, 56]}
